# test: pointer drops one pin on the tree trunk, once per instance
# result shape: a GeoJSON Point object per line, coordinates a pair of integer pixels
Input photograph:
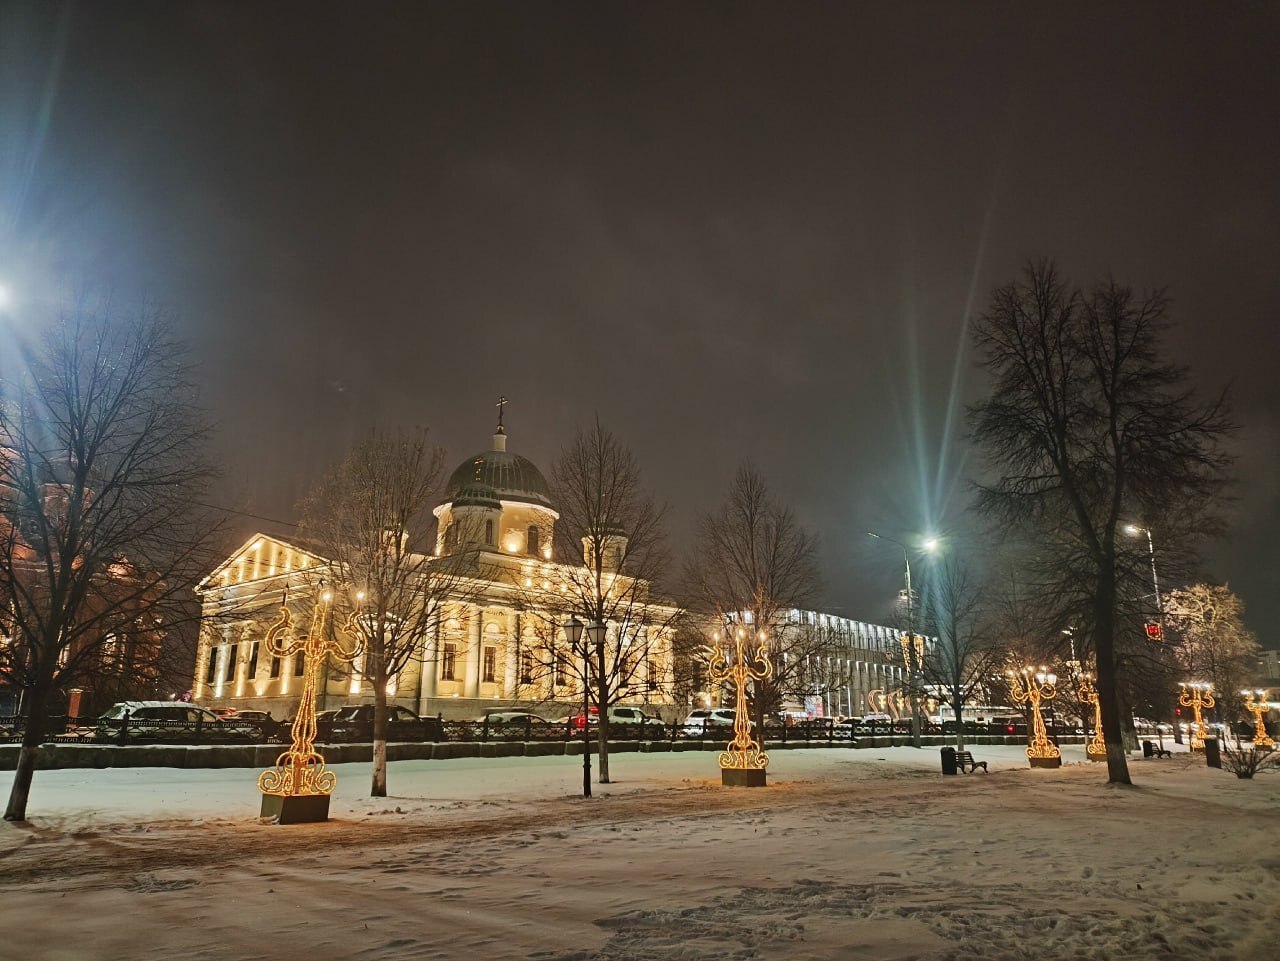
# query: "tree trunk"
{"type": "Point", "coordinates": [957, 705]}
{"type": "Point", "coordinates": [602, 706]}
{"type": "Point", "coordinates": [379, 786]}
{"type": "Point", "coordinates": [1108, 696]}
{"type": "Point", "coordinates": [26, 769]}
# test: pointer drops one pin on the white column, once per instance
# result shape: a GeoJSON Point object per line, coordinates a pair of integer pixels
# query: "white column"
{"type": "Point", "coordinates": [511, 655]}
{"type": "Point", "coordinates": [471, 685]}
{"type": "Point", "coordinates": [430, 663]}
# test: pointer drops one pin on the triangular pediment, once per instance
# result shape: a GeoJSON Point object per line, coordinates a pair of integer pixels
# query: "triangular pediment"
{"type": "Point", "coordinates": [262, 555]}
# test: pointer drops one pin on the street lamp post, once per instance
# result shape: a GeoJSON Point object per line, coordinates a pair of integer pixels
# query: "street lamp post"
{"type": "Point", "coordinates": [573, 634]}
{"type": "Point", "coordinates": [1255, 704]}
{"type": "Point", "coordinates": [1032, 687]}
{"type": "Point", "coordinates": [1096, 749]}
{"type": "Point", "coordinates": [1133, 530]}
{"type": "Point", "coordinates": [743, 763]}
{"type": "Point", "coordinates": [912, 656]}
{"type": "Point", "coordinates": [1198, 696]}
{"type": "Point", "coordinates": [297, 789]}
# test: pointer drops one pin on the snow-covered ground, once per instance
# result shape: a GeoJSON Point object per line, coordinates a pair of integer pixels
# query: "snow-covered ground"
{"type": "Point", "coordinates": [867, 854]}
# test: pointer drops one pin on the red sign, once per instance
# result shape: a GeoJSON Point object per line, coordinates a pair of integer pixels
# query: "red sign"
{"type": "Point", "coordinates": [1154, 632]}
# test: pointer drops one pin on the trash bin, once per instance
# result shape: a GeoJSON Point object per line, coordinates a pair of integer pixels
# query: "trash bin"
{"type": "Point", "coordinates": [949, 761]}
{"type": "Point", "coordinates": [1212, 753]}
{"type": "Point", "coordinates": [1148, 749]}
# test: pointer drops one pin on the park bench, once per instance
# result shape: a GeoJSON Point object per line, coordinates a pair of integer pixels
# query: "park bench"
{"type": "Point", "coordinates": [966, 763]}
{"type": "Point", "coordinates": [1150, 750]}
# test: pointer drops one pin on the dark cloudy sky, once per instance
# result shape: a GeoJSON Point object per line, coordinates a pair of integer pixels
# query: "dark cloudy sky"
{"type": "Point", "coordinates": [732, 229]}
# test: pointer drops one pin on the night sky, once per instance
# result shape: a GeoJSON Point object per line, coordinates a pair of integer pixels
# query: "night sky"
{"type": "Point", "coordinates": [732, 230]}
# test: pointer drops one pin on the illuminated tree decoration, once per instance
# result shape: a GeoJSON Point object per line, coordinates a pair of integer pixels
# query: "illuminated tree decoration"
{"type": "Point", "coordinates": [1198, 696]}
{"type": "Point", "coordinates": [1096, 748]}
{"type": "Point", "coordinates": [744, 754]}
{"type": "Point", "coordinates": [1255, 705]}
{"type": "Point", "coordinates": [1032, 687]}
{"type": "Point", "coordinates": [300, 771]}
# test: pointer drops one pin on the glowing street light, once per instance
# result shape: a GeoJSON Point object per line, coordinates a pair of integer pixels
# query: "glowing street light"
{"type": "Point", "coordinates": [1198, 696]}
{"type": "Point", "coordinates": [1096, 748]}
{"type": "Point", "coordinates": [297, 789]}
{"type": "Point", "coordinates": [743, 763]}
{"type": "Point", "coordinates": [1133, 530]}
{"type": "Point", "coordinates": [1032, 687]}
{"type": "Point", "coordinates": [912, 649]}
{"type": "Point", "coordinates": [1255, 704]}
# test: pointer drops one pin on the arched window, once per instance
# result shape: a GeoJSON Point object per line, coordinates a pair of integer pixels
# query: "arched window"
{"type": "Point", "coordinates": [533, 539]}
{"type": "Point", "coordinates": [488, 533]}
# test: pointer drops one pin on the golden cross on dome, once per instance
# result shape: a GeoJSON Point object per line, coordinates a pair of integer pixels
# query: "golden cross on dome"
{"type": "Point", "coordinates": [502, 402]}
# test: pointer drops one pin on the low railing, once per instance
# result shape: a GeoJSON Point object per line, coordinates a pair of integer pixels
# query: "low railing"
{"type": "Point", "coordinates": [128, 730]}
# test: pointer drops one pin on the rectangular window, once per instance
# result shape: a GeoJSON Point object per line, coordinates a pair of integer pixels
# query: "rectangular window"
{"type": "Point", "coordinates": [562, 670]}
{"type": "Point", "coordinates": [253, 660]}
{"type": "Point", "coordinates": [299, 664]}
{"type": "Point", "coordinates": [275, 667]}
{"type": "Point", "coordinates": [654, 674]}
{"type": "Point", "coordinates": [449, 662]}
{"type": "Point", "coordinates": [211, 669]}
{"type": "Point", "coordinates": [526, 668]}
{"type": "Point", "coordinates": [490, 664]}
{"type": "Point", "coordinates": [232, 651]}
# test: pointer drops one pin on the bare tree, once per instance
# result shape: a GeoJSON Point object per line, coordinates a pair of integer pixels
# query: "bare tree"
{"type": "Point", "coordinates": [1213, 643]}
{"type": "Point", "coordinates": [753, 562]}
{"type": "Point", "coordinates": [1086, 427]}
{"type": "Point", "coordinates": [102, 461]}
{"type": "Point", "coordinates": [963, 657]}
{"type": "Point", "coordinates": [371, 520]}
{"type": "Point", "coordinates": [612, 564]}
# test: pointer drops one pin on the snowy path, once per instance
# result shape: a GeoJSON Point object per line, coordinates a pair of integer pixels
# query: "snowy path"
{"type": "Point", "coordinates": [848, 855]}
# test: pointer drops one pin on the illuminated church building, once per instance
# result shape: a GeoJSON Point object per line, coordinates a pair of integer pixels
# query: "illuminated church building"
{"type": "Point", "coordinates": [498, 504]}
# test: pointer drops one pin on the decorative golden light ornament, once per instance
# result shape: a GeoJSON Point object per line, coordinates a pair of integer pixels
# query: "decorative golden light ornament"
{"type": "Point", "coordinates": [1255, 704]}
{"type": "Point", "coordinates": [297, 789]}
{"type": "Point", "coordinates": [1096, 748]}
{"type": "Point", "coordinates": [1198, 696]}
{"type": "Point", "coordinates": [1032, 687]}
{"type": "Point", "coordinates": [743, 763]}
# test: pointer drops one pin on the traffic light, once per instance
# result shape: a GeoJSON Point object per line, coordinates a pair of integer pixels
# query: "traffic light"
{"type": "Point", "coordinates": [1155, 632]}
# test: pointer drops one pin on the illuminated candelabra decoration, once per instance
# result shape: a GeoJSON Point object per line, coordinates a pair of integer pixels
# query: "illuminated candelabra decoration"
{"type": "Point", "coordinates": [1255, 705]}
{"type": "Point", "coordinates": [744, 763]}
{"type": "Point", "coordinates": [1096, 748]}
{"type": "Point", "coordinates": [1032, 687]}
{"type": "Point", "coordinates": [1198, 696]}
{"type": "Point", "coordinates": [297, 789]}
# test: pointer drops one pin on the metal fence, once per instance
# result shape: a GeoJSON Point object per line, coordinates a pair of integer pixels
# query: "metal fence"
{"type": "Point", "coordinates": [129, 730]}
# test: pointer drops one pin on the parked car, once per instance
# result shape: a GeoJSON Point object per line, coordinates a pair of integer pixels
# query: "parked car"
{"type": "Point", "coordinates": [511, 724]}
{"type": "Point", "coordinates": [174, 722]}
{"type": "Point", "coordinates": [708, 720]}
{"type": "Point", "coordinates": [263, 723]}
{"type": "Point", "coordinates": [1008, 724]}
{"type": "Point", "coordinates": [579, 721]}
{"type": "Point", "coordinates": [355, 723]}
{"type": "Point", "coordinates": [622, 715]}
{"type": "Point", "coordinates": [634, 717]}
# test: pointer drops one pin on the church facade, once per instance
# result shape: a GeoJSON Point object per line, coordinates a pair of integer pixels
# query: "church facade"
{"type": "Point", "coordinates": [490, 648]}
{"type": "Point", "coordinates": [493, 647]}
